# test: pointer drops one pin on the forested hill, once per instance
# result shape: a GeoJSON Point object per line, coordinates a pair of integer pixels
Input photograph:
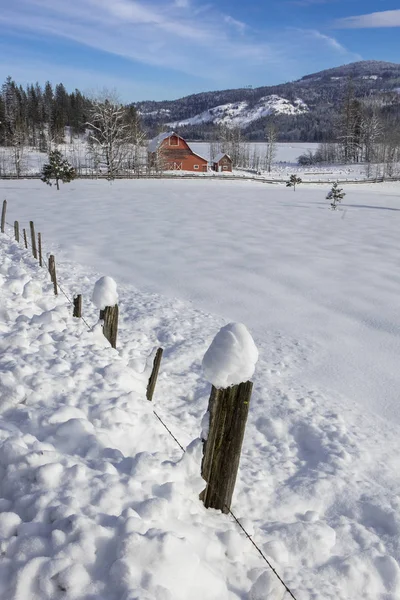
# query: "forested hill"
{"type": "Point", "coordinates": [320, 95]}
{"type": "Point", "coordinates": [305, 110]}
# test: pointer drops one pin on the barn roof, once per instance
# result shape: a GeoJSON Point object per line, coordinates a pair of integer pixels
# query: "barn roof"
{"type": "Point", "coordinates": [154, 144]}
{"type": "Point", "coordinates": [199, 156]}
{"type": "Point", "coordinates": [221, 156]}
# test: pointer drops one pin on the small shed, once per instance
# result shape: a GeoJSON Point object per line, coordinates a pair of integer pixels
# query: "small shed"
{"type": "Point", "coordinates": [222, 162]}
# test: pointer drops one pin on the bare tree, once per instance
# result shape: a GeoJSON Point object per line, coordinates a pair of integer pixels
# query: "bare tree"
{"type": "Point", "coordinates": [110, 131]}
{"type": "Point", "coordinates": [271, 137]}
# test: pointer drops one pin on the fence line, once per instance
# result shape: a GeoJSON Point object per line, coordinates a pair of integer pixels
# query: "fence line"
{"type": "Point", "coordinates": [212, 177]}
{"type": "Point", "coordinates": [216, 492]}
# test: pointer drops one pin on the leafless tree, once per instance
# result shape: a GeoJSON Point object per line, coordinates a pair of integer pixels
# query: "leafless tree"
{"type": "Point", "coordinates": [271, 137]}
{"type": "Point", "coordinates": [111, 135]}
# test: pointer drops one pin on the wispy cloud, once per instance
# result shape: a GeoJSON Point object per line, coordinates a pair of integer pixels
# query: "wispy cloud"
{"type": "Point", "coordinates": [187, 40]}
{"type": "Point", "coordinates": [309, 2]}
{"type": "Point", "coordinates": [239, 25]}
{"type": "Point", "coordinates": [159, 33]}
{"type": "Point", "coordinates": [327, 41]}
{"type": "Point", "coordinates": [386, 18]}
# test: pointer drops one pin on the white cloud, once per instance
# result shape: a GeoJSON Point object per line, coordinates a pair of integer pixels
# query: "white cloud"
{"type": "Point", "coordinates": [165, 34]}
{"type": "Point", "coordinates": [329, 42]}
{"type": "Point", "coordinates": [239, 25]}
{"type": "Point", "coordinates": [386, 18]}
{"type": "Point", "coordinates": [175, 35]}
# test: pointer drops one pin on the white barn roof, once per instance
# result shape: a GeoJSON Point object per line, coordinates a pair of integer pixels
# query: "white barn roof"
{"type": "Point", "coordinates": [154, 144]}
{"type": "Point", "coordinates": [221, 156]}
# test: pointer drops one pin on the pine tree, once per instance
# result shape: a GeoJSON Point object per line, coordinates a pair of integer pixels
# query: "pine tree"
{"type": "Point", "coordinates": [336, 194]}
{"type": "Point", "coordinates": [58, 168]}
{"type": "Point", "coordinates": [293, 181]}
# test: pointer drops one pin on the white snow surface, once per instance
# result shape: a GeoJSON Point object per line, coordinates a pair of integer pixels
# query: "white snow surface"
{"type": "Point", "coordinates": [97, 500]}
{"type": "Point", "coordinates": [243, 113]}
{"type": "Point", "coordinates": [231, 359]}
{"type": "Point", "coordinates": [105, 292]}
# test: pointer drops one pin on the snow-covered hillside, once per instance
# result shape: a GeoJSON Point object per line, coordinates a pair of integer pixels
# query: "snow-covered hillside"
{"type": "Point", "coordinates": [241, 114]}
{"type": "Point", "coordinates": [97, 501]}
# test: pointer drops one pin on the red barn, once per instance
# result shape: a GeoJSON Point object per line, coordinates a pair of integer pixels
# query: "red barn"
{"type": "Point", "coordinates": [170, 152]}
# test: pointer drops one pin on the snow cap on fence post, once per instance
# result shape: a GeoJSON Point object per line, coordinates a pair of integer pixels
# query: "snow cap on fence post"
{"type": "Point", "coordinates": [231, 358]}
{"type": "Point", "coordinates": [105, 293]}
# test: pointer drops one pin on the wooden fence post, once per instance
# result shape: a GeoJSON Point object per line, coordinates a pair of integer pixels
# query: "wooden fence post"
{"type": "Point", "coordinates": [3, 215]}
{"type": "Point", "coordinates": [154, 374]}
{"type": "Point", "coordinates": [40, 249]}
{"type": "Point", "coordinates": [52, 271]}
{"type": "Point", "coordinates": [33, 239]}
{"type": "Point", "coordinates": [78, 306]}
{"type": "Point", "coordinates": [110, 327]}
{"type": "Point", "coordinates": [25, 239]}
{"type": "Point", "coordinates": [16, 231]}
{"type": "Point", "coordinates": [228, 409]}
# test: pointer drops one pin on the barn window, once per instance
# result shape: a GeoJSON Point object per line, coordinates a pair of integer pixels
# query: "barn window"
{"type": "Point", "coordinates": [225, 167]}
{"type": "Point", "coordinates": [174, 140]}
{"type": "Point", "coordinates": [195, 166]}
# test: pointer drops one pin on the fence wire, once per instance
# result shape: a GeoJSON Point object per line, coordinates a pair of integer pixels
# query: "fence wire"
{"type": "Point", "coordinates": [234, 517]}
{"type": "Point", "coordinates": [46, 266]}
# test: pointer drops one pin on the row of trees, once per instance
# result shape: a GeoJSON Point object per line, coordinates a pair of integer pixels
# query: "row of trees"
{"type": "Point", "coordinates": [40, 118]}
{"type": "Point", "coordinates": [366, 132]}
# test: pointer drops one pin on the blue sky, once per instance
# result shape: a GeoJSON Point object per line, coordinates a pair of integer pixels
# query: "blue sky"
{"type": "Point", "coordinates": [166, 49]}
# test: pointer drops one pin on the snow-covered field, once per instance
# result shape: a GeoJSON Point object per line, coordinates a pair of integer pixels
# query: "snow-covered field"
{"type": "Point", "coordinates": [96, 501]}
{"type": "Point", "coordinates": [284, 162]}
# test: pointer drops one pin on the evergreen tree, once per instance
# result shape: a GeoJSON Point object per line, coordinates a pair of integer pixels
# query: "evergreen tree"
{"type": "Point", "coordinates": [293, 181]}
{"type": "Point", "coordinates": [58, 168]}
{"type": "Point", "coordinates": [336, 194]}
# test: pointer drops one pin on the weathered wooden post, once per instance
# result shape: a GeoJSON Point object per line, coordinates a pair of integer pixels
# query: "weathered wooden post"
{"type": "Point", "coordinates": [25, 239]}
{"type": "Point", "coordinates": [78, 306]}
{"type": "Point", "coordinates": [33, 239]}
{"type": "Point", "coordinates": [105, 297]}
{"type": "Point", "coordinates": [154, 374]}
{"type": "Point", "coordinates": [52, 271]}
{"type": "Point", "coordinates": [3, 215]}
{"type": "Point", "coordinates": [16, 231]}
{"type": "Point", "coordinates": [40, 249]}
{"type": "Point", "coordinates": [228, 364]}
{"type": "Point", "coordinates": [109, 315]}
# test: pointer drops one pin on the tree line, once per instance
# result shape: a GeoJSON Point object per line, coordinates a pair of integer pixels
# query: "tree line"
{"type": "Point", "coordinates": [366, 132]}
{"type": "Point", "coordinates": [44, 118]}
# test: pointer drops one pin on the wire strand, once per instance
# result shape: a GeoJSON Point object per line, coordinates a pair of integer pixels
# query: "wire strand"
{"type": "Point", "coordinates": [46, 266]}
{"type": "Point", "coordinates": [235, 518]}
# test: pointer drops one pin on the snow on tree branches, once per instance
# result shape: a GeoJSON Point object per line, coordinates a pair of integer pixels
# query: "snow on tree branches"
{"type": "Point", "coordinates": [293, 181]}
{"type": "Point", "coordinates": [115, 135]}
{"type": "Point", "coordinates": [336, 194]}
{"type": "Point", "coordinates": [58, 168]}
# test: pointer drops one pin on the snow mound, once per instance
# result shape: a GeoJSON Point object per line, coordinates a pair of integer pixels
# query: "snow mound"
{"type": "Point", "coordinates": [105, 293]}
{"type": "Point", "coordinates": [231, 358]}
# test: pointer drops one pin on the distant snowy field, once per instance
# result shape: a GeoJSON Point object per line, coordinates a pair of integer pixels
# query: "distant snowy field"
{"type": "Point", "coordinates": [288, 153]}
{"type": "Point", "coordinates": [318, 290]}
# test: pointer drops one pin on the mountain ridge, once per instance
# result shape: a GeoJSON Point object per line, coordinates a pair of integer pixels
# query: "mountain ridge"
{"type": "Point", "coordinates": [321, 93]}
